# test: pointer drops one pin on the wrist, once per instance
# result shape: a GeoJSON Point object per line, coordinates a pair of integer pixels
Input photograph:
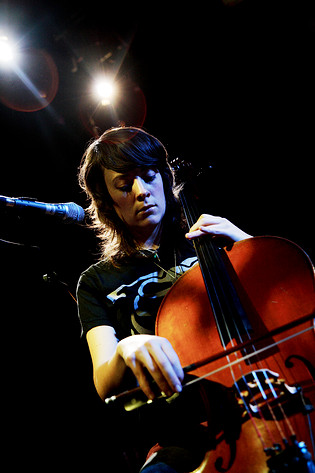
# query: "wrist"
{"type": "Point", "coordinates": [242, 236]}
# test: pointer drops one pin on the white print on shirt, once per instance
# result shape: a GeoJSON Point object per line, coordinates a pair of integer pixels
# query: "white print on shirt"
{"type": "Point", "coordinates": [152, 277]}
{"type": "Point", "coordinates": [148, 290]}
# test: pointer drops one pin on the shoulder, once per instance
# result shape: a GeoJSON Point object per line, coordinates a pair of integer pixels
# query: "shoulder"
{"type": "Point", "coordinates": [95, 276]}
{"type": "Point", "coordinates": [106, 274]}
{"type": "Point", "coordinates": [96, 269]}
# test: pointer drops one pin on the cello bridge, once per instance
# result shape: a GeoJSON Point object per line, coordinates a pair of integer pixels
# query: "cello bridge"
{"type": "Point", "coordinates": [262, 393]}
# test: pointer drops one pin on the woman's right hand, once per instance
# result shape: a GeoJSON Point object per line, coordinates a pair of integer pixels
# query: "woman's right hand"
{"type": "Point", "coordinates": [156, 355]}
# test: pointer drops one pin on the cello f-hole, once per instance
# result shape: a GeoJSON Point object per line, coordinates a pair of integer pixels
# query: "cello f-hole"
{"type": "Point", "coordinates": [307, 363]}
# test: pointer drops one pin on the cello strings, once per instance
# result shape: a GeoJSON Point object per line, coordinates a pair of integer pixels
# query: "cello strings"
{"type": "Point", "coordinates": [191, 216]}
{"type": "Point", "coordinates": [231, 311]}
{"type": "Point", "coordinates": [280, 407]}
{"type": "Point", "coordinates": [215, 286]}
{"type": "Point", "coordinates": [285, 417]}
{"type": "Point", "coordinates": [265, 396]}
{"type": "Point", "coordinates": [251, 417]}
{"type": "Point", "coordinates": [237, 361]}
{"type": "Point", "coordinates": [218, 280]}
{"type": "Point", "coordinates": [219, 286]}
{"type": "Point", "coordinates": [236, 308]}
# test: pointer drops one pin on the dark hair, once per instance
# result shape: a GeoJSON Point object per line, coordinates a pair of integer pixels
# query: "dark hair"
{"type": "Point", "coordinates": [122, 149]}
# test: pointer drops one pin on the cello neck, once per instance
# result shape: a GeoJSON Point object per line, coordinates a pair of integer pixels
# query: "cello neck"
{"type": "Point", "coordinates": [229, 315]}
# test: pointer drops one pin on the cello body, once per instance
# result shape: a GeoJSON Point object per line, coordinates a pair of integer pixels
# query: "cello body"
{"type": "Point", "coordinates": [272, 381]}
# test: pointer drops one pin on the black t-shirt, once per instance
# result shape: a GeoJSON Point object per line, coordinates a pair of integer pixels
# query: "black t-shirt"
{"type": "Point", "coordinates": [128, 298]}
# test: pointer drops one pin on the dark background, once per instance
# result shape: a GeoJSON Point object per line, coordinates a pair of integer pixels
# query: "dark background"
{"type": "Point", "coordinates": [230, 84]}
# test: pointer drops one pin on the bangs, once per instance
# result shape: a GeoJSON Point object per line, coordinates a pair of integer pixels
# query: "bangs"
{"type": "Point", "coordinates": [124, 149]}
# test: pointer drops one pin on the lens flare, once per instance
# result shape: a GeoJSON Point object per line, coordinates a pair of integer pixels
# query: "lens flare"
{"type": "Point", "coordinates": [104, 90]}
{"type": "Point", "coordinates": [8, 52]}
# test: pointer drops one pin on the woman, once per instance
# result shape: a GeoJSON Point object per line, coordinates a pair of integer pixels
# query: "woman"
{"type": "Point", "coordinates": [134, 207]}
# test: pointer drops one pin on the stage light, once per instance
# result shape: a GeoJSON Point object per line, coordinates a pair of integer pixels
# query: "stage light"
{"type": "Point", "coordinates": [8, 54]}
{"type": "Point", "coordinates": [104, 90]}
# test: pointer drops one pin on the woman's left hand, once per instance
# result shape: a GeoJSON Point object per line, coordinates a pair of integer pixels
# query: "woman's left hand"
{"type": "Point", "coordinates": [217, 227]}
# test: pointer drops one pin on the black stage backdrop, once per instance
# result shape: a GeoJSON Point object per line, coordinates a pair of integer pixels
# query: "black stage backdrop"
{"type": "Point", "coordinates": [229, 84]}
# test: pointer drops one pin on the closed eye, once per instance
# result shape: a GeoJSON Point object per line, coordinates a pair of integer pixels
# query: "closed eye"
{"type": "Point", "coordinates": [148, 175]}
{"type": "Point", "coordinates": [125, 188]}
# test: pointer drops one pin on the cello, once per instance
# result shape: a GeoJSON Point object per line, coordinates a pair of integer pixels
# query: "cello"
{"type": "Point", "coordinates": [246, 314]}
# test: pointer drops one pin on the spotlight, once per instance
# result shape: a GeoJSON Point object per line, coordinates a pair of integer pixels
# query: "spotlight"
{"type": "Point", "coordinates": [104, 90]}
{"type": "Point", "coordinates": [7, 52]}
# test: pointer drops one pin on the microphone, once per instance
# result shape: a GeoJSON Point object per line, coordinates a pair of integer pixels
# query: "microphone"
{"type": "Point", "coordinates": [69, 212]}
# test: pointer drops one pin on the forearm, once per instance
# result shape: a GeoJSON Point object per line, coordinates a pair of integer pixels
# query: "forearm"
{"type": "Point", "coordinates": [118, 366]}
{"type": "Point", "coordinates": [109, 376]}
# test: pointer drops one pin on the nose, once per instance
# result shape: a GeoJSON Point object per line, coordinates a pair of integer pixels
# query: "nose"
{"type": "Point", "coordinates": [140, 189]}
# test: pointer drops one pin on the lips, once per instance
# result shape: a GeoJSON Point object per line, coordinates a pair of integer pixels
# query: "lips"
{"type": "Point", "coordinates": [145, 208]}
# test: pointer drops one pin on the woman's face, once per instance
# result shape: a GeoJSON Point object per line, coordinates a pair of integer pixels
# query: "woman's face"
{"type": "Point", "coordinates": [139, 199]}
